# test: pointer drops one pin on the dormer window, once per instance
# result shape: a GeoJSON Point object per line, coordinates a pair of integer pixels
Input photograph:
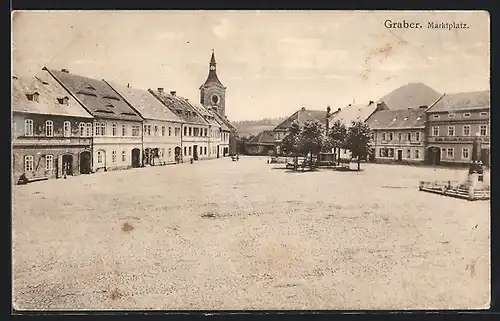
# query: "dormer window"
{"type": "Point", "coordinates": [89, 87]}
{"type": "Point", "coordinates": [418, 118]}
{"type": "Point", "coordinates": [394, 119]}
{"type": "Point", "coordinates": [451, 115]}
{"type": "Point", "coordinates": [33, 97]}
{"type": "Point", "coordinates": [63, 101]}
{"type": "Point", "coordinates": [406, 118]}
{"type": "Point", "coordinates": [110, 106]}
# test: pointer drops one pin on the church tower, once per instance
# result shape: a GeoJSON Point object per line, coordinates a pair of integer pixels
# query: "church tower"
{"type": "Point", "coordinates": [213, 92]}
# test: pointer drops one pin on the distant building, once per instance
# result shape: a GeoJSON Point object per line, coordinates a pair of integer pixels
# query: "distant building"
{"type": "Point", "coordinates": [398, 135]}
{"type": "Point", "coordinates": [261, 144]}
{"type": "Point", "coordinates": [301, 116]}
{"type": "Point", "coordinates": [161, 143]}
{"type": "Point", "coordinates": [51, 132]}
{"type": "Point", "coordinates": [117, 135]}
{"type": "Point", "coordinates": [452, 122]}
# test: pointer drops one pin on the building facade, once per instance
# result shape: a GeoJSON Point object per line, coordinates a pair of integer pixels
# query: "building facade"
{"type": "Point", "coordinates": [161, 139]}
{"type": "Point", "coordinates": [51, 132]}
{"type": "Point", "coordinates": [452, 123]}
{"type": "Point", "coordinates": [398, 135]}
{"type": "Point", "coordinates": [117, 132]}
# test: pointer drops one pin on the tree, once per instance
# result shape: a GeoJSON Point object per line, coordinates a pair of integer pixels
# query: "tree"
{"type": "Point", "coordinates": [311, 139]}
{"type": "Point", "coordinates": [337, 135]}
{"type": "Point", "coordinates": [358, 140]}
{"type": "Point", "coordinates": [290, 143]}
{"type": "Point", "coordinates": [241, 144]}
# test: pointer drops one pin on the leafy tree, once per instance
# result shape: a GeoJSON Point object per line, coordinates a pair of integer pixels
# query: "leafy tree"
{"type": "Point", "coordinates": [311, 139]}
{"type": "Point", "coordinates": [290, 143]}
{"type": "Point", "coordinates": [241, 144]}
{"type": "Point", "coordinates": [358, 140]}
{"type": "Point", "coordinates": [337, 135]}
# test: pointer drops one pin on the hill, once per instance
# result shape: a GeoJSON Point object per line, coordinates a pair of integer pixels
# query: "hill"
{"type": "Point", "coordinates": [254, 127]}
{"type": "Point", "coordinates": [410, 95]}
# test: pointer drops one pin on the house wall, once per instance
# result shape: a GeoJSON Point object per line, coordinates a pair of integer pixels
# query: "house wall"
{"type": "Point", "coordinates": [42, 148]}
{"type": "Point", "coordinates": [163, 135]}
{"type": "Point", "coordinates": [117, 142]}
{"type": "Point", "coordinates": [192, 139]}
{"type": "Point", "coordinates": [455, 143]}
{"type": "Point", "coordinates": [387, 143]}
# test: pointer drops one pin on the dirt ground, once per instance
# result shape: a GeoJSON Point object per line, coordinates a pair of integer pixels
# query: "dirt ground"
{"type": "Point", "coordinates": [219, 234]}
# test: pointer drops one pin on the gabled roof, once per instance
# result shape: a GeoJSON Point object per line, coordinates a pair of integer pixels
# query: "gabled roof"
{"type": "Point", "coordinates": [462, 101]}
{"type": "Point", "coordinates": [352, 113]}
{"type": "Point", "coordinates": [302, 115]}
{"type": "Point", "coordinates": [410, 95]}
{"type": "Point", "coordinates": [223, 125]}
{"type": "Point", "coordinates": [145, 103]}
{"type": "Point", "coordinates": [179, 106]}
{"type": "Point", "coordinates": [397, 119]}
{"type": "Point", "coordinates": [49, 93]}
{"type": "Point", "coordinates": [207, 115]}
{"type": "Point", "coordinates": [225, 121]}
{"type": "Point", "coordinates": [97, 96]}
{"type": "Point", "coordinates": [265, 137]}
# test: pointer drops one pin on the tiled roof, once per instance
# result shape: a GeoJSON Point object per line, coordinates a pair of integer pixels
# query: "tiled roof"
{"type": "Point", "coordinates": [225, 120]}
{"type": "Point", "coordinates": [97, 96]}
{"type": "Point", "coordinates": [302, 115]}
{"type": "Point", "coordinates": [410, 95]}
{"type": "Point", "coordinates": [462, 101]}
{"type": "Point", "coordinates": [400, 119]}
{"type": "Point", "coordinates": [145, 103]}
{"type": "Point", "coordinates": [352, 113]}
{"type": "Point", "coordinates": [207, 115]}
{"type": "Point", "coordinates": [223, 123]}
{"type": "Point", "coordinates": [49, 93]}
{"type": "Point", "coordinates": [179, 106]}
{"type": "Point", "coordinates": [265, 137]}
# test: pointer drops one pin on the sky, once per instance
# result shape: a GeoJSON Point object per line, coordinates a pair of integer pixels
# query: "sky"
{"type": "Point", "coordinates": [271, 62]}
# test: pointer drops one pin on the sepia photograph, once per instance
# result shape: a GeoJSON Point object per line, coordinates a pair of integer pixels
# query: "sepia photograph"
{"type": "Point", "coordinates": [250, 160]}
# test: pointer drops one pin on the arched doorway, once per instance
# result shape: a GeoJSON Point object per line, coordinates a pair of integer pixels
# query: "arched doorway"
{"type": "Point", "coordinates": [433, 155]}
{"type": "Point", "coordinates": [146, 156]}
{"type": "Point", "coordinates": [177, 153]}
{"type": "Point", "coordinates": [67, 164]}
{"type": "Point", "coordinates": [85, 162]}
{"type": "Point", "coordinates": [136, 157]}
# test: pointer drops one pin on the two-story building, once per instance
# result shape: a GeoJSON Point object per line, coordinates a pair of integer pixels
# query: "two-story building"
{"type": "Point", "coordinates": [452, 123]}
{"type": "Point", "coordinates": [398, 135]}
{"type": "Point", "coordinates": [215, 148]}
{"type": "Point", "coordinates": [51, 132]}
{"type": "Point", "coordinates": [225, 135]}
{"type": "Point", "coordinates": [161, 127]}
{"type": "Point", "coordinates": [117, 136]}
{"type": "Point", "coordinates": [194, 131]}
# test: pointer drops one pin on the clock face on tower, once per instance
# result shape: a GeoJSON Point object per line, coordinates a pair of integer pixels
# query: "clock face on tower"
{"type": "Point", "coordinates": [215, 99]}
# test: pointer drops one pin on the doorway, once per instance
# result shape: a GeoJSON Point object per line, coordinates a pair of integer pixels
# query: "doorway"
{"type": "Point", "coordinates": [433, 155]}
{"type": "Point", "coordinates": [177, 152]}
{"type": "Point", "coordinates": [218, 152]}
{"type": "Point", "coordinates": [67, 164]}
{"type": "Point", "coordinates": [85, 162]}
{"type": "Point", "coordinates": [195, 152]}
{"type": "Point", "coordinates": [400, 155]}
{"type": "Point", "coordinates": [136, 157]}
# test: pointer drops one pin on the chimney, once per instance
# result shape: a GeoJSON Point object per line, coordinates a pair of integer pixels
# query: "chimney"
{"type": "Point", "coordinates": [65, 70]}
{"type": "Point", "coordinates": [371, 102]}
{"type": "Point", "coordinates": [349, 105]}
{"type": "Point", "coordinates": [339, 109]}
{"type": "Point", "coordinates": [423, 107]}
{"type": "Point", "coordinates": [410, 108]}
{"type": "Point", "coordinates": [303, 108]}
{"type": "Point", "coordinates": [160, 90]}
{"type": "Point", "coordinates": [128, 85]}
{"type": "Point", "coordinates": [173, 93]}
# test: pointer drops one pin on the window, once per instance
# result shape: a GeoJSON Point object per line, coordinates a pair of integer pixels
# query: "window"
{"type": "Point", "coordinates": [451, 130]}
{"type": "Point", "coordinates": [28, 163]}
{"type": "Point", "coordinates": [451, 115]}
{"type": "Point", "coordinates": [382, 152]}
{"type": "Point", "coordinates": [390, 152]}
{"type": "Point", "coordinates": [189, 151]}
{"type": "Point", "coordinates": [49, 128]}
{"type": "Point", "coordinates": [409, 137]}
{"type": "Point", "coordinates": [81, 129]}
{"type": "Point", "coordinates": [113, 156]}
{"type": "Point", "coordinates": [435, 131]}
{"type": "Point", "coordinates": [466, 130]}
{"type": "Point", "coordinates": [124, 156]}
{"type": "Point", "coordinates": [177, 131]}
{"type": "Point", "coordinates": [466, 114]}
{"type": "Point", "coordinates": [185, 131]}
{"type": "Point", "coordinates": [417, 137]}
{"type": "Point", "coordinates": [103, 129]}
{"type": "Point", "coordinates": [67, 129]}
{"type": "Point", "coordinates": [163, 152]}
{"type": "Point", "coordinates": [483, 129]}
{"type": "Point", "coordinates": [89, 129]}
{"type": "Point", "coordinates": [99, 157]}
{"type": "Point", "coordinates": [145, 129]}
{"type": "Point", "coordinates": [408, 153]}
{"type": "Point", "coordinates": [443, 152]}
{"type": "Point", "coordinates": [124, 130]}
{"type": "Point", "coordinates": [156, 130]}
{"type": "Point", "coordinates": [400, 136]}
{"type": "Point", "coordinates": [450, 153]}
{"type": "Point", "coordinates": [185, 149]}
{"type": "Point", "coordinates": [28, 127]}
{"type": "Point", "coordinates": [206, 132]}
{"type": "Point", "coordinates": [390, 136]}
{"type": "Point", "coordinates": [114, 128]}
{"type": "Point", "coordinates": [465, 153]}
{"type": "Point", "coordinates": [190, 132]}
{"type": "Point", "coordinates": [97, 130]}
{"type": "Point", "coordinates": [201, 150]}
{"type": "Point", "coordinates": [383, 136]}
{"type": "Point", "coordinates": [163, 130]}
{"type": "Point", "coordinates": [205, 150]}
{"type": "Point", "coordinates": [483, 113]}
{"type": "Point", "coordinates": [49, 162]}
{"type": "Point", "coordinates": [170, 152]}
{"type": "Point", "coordinates": [136, 130]}
{"type": "Point", "coordinates": [435, 116]}
{"type": "Point", "coordinates": [416, 152]}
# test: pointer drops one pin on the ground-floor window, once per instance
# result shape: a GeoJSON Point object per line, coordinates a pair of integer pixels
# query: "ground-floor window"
{"type": "Point", "coordinates": [185, 148]}
{"type": "Point", "coordinates": [99, 157]}
{"type": "Point", "coordinates": [28, 163]}
{"type": "Point", "coordinates": [465, 153]}
{"type": "Point", "coordinates": [201, 150]}
{"type": "Point", "coordinates": [49, 162]}
{"type": "Point", "coordinates": [113, 156]}
{"type": "Point", "coordinates": [163, 152]}
{"type": "Point", "coordinates": [170, 152]}
{"type": "Point", "coordinates": [450, 153]}
{"type": "Point", "coordinates": [124, 156]}
{"type": "Point", "coordinates": [205, 150]}
{"type": "Point", "coordinates": [408, 153]}
{"type": "Point", "coordinates": [417, 153]}
{"type": "Point", "coordinates": [189, 149]}
{"type": "Point", "coordinates": [386, 152]}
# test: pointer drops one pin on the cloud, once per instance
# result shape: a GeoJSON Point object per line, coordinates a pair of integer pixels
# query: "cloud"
{"type": "Point", "coordinates": [222, 29]}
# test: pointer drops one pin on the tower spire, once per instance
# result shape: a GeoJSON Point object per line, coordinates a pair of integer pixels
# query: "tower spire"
{"type": "Point", "coordinates": [212, 61]}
